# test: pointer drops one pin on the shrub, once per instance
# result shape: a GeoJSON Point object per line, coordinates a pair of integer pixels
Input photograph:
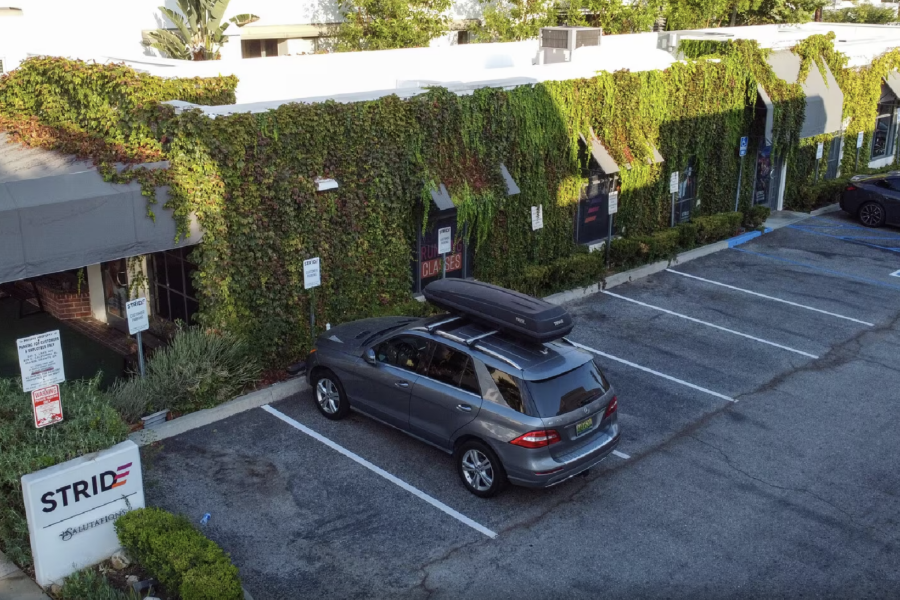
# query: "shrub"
{"type": "Point", "coordinates": [814, 196]}
{"type": "Point", "coordinates": [90, 584]}
{"type": "Point", "coordinates": [90, 425]}
{"type": "Point", "coordinates": [179, 555]}
{"type": "Point", "coordinates": [863, 13]}
{"type": "Point", "coordinates": [687, 235]}
{"type": "Point", "coordinates": [199, 369]}
{"type": "Point", "coordinates": [756, 216]}
{"type": "Point", "coordinates": [625, 252]}
{"type": "Point", "coordinates": [717, 227]}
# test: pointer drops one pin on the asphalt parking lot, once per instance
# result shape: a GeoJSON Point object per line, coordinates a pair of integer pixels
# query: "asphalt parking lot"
{"type": "Point", "coordinates": [758, 393]}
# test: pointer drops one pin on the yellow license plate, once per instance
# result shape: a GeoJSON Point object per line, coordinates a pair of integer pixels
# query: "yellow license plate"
{"type": "Point", "coordinates": [584, 426]}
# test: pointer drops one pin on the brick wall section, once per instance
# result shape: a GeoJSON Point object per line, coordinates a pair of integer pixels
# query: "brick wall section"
{"type": "Point", "coordinates": [64, 306]}
{"type": "Point", "coordinates": [106, 335]}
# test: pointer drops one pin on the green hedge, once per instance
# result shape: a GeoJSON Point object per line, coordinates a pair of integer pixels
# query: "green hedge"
{"type": "Point", "coordinates": [178, 555]}
{"type": "Point", "coordinates": [717, 227]}
{"type": "Point", "coordinates": [756, 216]}
{"type": "Point", "coordinates": [90, 424]}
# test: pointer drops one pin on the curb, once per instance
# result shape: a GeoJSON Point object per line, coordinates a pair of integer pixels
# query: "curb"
{"type": "Point", "coordinates": [204, 417]}
{"type": "Point", "coordinates": [16, 585]}
{"type": "Point", "coordinates": [825, 210]}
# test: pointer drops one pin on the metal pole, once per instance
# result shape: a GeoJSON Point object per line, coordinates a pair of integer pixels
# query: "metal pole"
{"type": "Point", "coordinates": [140, 353]}
{"type": "Point", "coordinates": [737, 195]}
{"type": "Point", "coordinates": [312, 313]}
{"type": "Point", "coordinates": [609, 241]}
{"type": "Point", "coordinates": [673, 210]}
{"type": "Point", "coordinates": [816, 178]}
{"type": "Point", "coordinates": [444, 265]}
{"type": "Point", "coordinates": [856, 168]}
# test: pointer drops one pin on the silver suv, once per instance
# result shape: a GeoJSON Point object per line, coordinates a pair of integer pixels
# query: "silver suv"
{"type": "Point", "coordinates": [508, 410]}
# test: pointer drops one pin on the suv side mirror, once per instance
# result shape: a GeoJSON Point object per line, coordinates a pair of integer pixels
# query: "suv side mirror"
{"type": "Point", "coordinates": [370, 357]}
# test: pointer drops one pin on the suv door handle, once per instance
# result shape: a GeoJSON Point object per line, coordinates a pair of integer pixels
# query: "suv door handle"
{"type": "Point", "coordinates": [402, 384]}
{"type": "Point", "coordinates": [464, 407]}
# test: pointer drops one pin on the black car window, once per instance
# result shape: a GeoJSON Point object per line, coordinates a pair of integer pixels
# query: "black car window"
{"type": "Point", "coordinates": [408, 352]}
{"type": "Point", "coordinates": [893, 183]}
{"type": "Point", "coordinates": [453, 368]}
{"type": "Point", "coordinates": [567, 392]}
{"type": "Point", "coordinates": [509, 389]}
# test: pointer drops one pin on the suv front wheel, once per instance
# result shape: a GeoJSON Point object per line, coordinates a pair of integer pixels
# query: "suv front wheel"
{"type": "Point", "coordinates": [480, 469]}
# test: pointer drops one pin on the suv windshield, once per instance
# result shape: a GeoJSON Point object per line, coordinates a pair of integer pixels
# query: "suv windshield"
{"type": "Point", "coordinates": [567, 392]}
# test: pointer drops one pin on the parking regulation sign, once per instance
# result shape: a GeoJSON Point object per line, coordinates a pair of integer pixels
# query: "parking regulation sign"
{"type": "Point", "coordinates": [613, 202]}
{"type": "Point", "coordinates": [312, 275]}
{"type": "Point", "coordinates": [40, 360]}
{"type": "Point", "coordinates": [47, 406]}
{"type": "Point", "coordinates": [138, 320]}
{"type": "Point", "coordinates": [745, 141]}
{"type": "Point", "coordinates": [445, 240]}
{"type": "Point", "coordinates": [673, 183]}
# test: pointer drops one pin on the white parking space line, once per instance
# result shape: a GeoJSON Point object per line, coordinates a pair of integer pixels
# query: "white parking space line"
{"type": "Point", "coordinates": [737, 289]}
{"type": "Point", "coordinates": [714, 326]}
{"type": "Point", "coordinates": [620, 454]}
{"type": "Point", "coordinates": [651, 371]}
{"type": "Point", "coordinates": [399, 482]}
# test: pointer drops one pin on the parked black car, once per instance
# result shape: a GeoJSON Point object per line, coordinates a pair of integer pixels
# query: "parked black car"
{"type": "Point", "coordinates": [874, 199]}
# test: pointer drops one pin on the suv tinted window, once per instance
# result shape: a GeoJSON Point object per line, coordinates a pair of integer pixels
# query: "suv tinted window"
{"type": "Point", "coordinates": [567, 392]}
{"type": "Point", "coordinates": [509, 389]}
{"type": "Point", "coordinates": [405, 351]}
{"type": "Point", "coordinates": [454, 368]}
{"type": "Point", "coordinates": [893, 183]}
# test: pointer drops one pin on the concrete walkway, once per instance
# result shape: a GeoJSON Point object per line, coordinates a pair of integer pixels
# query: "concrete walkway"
{"type": "Point", "coordinates": [16, 585]}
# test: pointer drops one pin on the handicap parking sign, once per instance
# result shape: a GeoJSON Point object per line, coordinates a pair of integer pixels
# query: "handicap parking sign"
{"type": "Point", "coordinates": [744, 143]}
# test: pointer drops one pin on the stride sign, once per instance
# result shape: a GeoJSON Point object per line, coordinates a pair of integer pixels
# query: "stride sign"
{"type": "Point", "coordinates": [71, 509]}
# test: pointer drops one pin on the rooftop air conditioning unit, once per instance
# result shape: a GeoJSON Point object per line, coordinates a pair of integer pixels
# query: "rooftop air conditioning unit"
{"type": "Point", "coordinates": [558, 44]}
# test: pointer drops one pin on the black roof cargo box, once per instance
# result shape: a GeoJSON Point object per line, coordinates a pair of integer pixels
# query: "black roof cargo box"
{"type": "Point", "coordinates": [505, 310]}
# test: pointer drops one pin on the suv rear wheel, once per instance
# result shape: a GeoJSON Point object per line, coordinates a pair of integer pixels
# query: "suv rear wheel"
{"type": "Point", "coordinates": [479, 468]}
{"type": "Point", "coordinates": [871, 214]}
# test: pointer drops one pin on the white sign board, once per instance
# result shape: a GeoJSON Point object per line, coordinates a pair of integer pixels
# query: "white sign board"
{"type": "Point", "coordinates": [596, 247]}
{"type": "Point", "coordinates": [40, 360]}
{"type": "Point", "coordinates": [47, 406]}
{"type": "Point", "coordinates": [445, 240]}
{"type": "Point", "coordinates": [613, 202]}
{"type": "Point", "coordinates": [138, 320]}
{"type": "Point", "coordinates": [312, 275]}
{"type": "Point", "coordinates": [673, 183]}
{"type": "Point", "coordinates": [859, 139]}
{"type": "Point", "coordinates": [71, 508]}
{"type": "Point", "coordinates": [537, 217]}
{"type": "Point", "coordinates": [819, 150]}
{"type": "Point", "coordinates": [745, 141]}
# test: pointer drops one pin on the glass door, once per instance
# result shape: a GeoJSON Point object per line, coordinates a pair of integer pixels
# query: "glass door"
{"type": "Point", "coordinates": [115, 288]}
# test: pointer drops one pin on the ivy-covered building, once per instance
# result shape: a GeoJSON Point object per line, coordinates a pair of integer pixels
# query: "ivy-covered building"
{"type": "Point", "coordinates": [360, 159]}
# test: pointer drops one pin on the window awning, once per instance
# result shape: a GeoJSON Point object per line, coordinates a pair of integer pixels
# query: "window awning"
{"type": "Point", "coordinates": [770, 115]}
{"type": "Point", "coordinates": [511, 188]}
{"type": "Point", "coordinates": [441, 198]}
{"type": "Point", "coordinates": [893, 81]}
{"type": "Point", "coordinates": [601, 155]}
{"type": "Point", "coordinates": [61, 222]}
{"type": "Point", "coordinates": [824, 98]}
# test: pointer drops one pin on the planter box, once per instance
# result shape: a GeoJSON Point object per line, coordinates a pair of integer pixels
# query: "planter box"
{"type": "Point", "coordinates": [155, 420]}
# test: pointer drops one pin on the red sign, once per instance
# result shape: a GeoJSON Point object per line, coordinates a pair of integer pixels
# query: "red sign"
{"type": "Point", "coordinates": [47, 406]}
{"type": "Point", "coordinates": [430, 268]}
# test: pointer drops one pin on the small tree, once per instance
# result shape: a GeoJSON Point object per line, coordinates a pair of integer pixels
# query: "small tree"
{"type": "Point", "coordinates": [199, 31]}
{"type": "Point", "coordinates": [385, 24]}
{"type": "Point", "coordinates": [615, 16]}
{"type": "Point", "coordinates": [515, 20]}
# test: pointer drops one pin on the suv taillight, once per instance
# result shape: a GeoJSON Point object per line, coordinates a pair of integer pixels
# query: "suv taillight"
{"type": "Point", "coordinates": [537, 439]}
{"type": "Point", "coordinates": [611, 407]}
{"type": "Point", "coordinates": [851, 188]}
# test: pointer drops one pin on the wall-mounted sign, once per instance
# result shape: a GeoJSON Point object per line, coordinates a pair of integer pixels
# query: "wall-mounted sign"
{"type": "Point", "coordinates": [312, 275]}
{"type": "Point", "coordinates": [673, 183]}
{"type": "Point", "coordinates": [138, 320]}
{"type": "Point", "coordinates": [859, 139]}
{"type": "Point", "coordinates": [820, 149]}
{"type": "Point", "coordinates": [445, 240]}
{"type": "Point", "coordinates": [47, 406]}
{"type": "Point", "coordinates": [537, 217]}
{"type": "Point", "coordinates": [40, 360]}
{"type": "Point", "coordinates": [71, 508]}
{"type": "Point", "coordinates": [745, 142]}
{"type": "Point", "coordinates": [613, 202]}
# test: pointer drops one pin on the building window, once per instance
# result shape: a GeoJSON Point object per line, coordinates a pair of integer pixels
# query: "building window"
{"type": "Point", "coordinates": [592, 219]}
{"type": "Point", "coordinates": [259, 48]}
{"type": "Point", "coordinates": [115, 288]}
{"type": "Point", "coordinates": [462, 37]}
{"type": "Point", "coordinates": [687, 191]}
{"type": "Point", "coordinates": [883, 137]}
{"type": "Point", "coordinates": [172, 291]}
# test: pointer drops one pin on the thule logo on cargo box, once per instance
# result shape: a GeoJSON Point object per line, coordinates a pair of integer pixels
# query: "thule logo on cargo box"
{"type": "Point", "coordinates": [520, 319]}
{"type": "Point", "coordinates": [560, 322]}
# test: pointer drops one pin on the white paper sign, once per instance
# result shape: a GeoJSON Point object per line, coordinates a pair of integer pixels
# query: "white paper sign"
{"type": "Point", "coordinates": [445, 240]}
{"type": "Point", "coordinates": [47, 406]}
{"type": "Point", "coordinates": [40, 360]}
{"type": "Point", "coordinates": [138, 320]}
{"type": "Point", "coordinates": [537, 217]}
{"type": "Point", "coordinates": [312, 275]}
{"type": "Point", "coordinates": [819, 150]}
{"type": "Point", "coordinates": [673, 183]}
{"type": "Point", "coordinates": [613, 202]}
{"type": "Point", "coordinates": [859, 139]}
{"type": "Point", "coordinates": [71, 508]}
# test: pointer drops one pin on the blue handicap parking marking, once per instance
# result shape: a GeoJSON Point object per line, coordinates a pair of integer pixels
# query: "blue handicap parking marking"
{"type": "Point", "coordinates": [894, 240]}
{"type": "Point", "coordinates": [822, 269]}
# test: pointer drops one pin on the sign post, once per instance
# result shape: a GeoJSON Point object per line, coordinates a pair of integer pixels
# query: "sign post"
{"type": "Point", "coordinates": [820, 148]}
{"type": "Point", "coordinates": [613, 209]}
{"type": "Point", "coordinates": [745, 142]}
{"type": "Point", "coordinates": [40, 360]}
{"type": "Point", "coordinates": [138, 321]}
{"type": "Point", "coordinates": [445, 245]}
{"type": "Point", "coordinates": [859, 143]}
{"type": "Point", "coordinates": [312, 278]}
{"type": "Point", "coordinates": [673, 189]}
